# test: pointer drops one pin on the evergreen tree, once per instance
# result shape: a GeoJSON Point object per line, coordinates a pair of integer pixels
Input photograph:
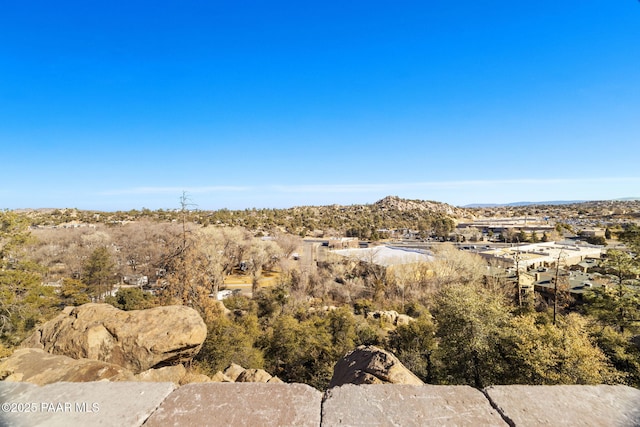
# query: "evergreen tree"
{"type": "Point", "coordinates": [24, 301]}
{"type": "Point", "coordinates": [540, 353]}
{"type": "Point", "coordinates": [414, 345]}
{"type": "Point", "coordinates": [98, 272]}
{"type": "Point", "coordinates": [231, 341]}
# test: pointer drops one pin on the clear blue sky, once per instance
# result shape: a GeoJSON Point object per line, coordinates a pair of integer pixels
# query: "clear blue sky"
{"type": "Point", "coordinates": [121, 105]}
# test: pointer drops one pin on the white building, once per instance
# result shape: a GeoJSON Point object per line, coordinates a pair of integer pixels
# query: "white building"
{"type": "Point", "coordinates": [386, 255]}
{"type": "Point", "coordinates": [543, 254]}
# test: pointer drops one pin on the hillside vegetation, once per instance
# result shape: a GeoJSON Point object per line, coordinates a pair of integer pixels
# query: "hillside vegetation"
{"type": "Point", "coordinates": [459, 325]}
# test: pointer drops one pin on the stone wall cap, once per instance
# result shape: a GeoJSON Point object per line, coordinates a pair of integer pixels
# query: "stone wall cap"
{"type": "Point", "coordinates": [240, 404]}
{"type": "Point", "coordinates": [407, 405]}
{"type": "Point", "coordinates": [584, 405]}
{"type": "Point", "coordinates": [67, 404]}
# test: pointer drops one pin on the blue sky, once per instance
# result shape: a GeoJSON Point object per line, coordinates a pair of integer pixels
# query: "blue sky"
{"type": "Point", "coordinates": [122, 105]}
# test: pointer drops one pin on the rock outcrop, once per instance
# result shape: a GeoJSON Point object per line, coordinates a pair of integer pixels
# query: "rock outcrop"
{"type": "Point", "coordinates": [395, 203]}
{"type": "Point", "coordinates": [39, 367]}
{"type": "Point", "coordinates": [220, 377]}
{"type": "Point", "coordinates": [192, 377]}
{"type": "Point", "coordinates": [371, 365]}
{"type": "Point", "coordinates": [391, 317]}
{"type": "Point", "coordinates": [253, 376]}
{"type": "Point", "coordinates": [136, 340]}
{"type": "Point", "coordinates": [36, 366]}
{"type": "Point", "coordinates": [167, 374]}
{"type": "Point", "coordinates": [233, 371]}
{"type": "Point", "coordinates": [96, 342]}
{"type": "Point", "coordinates": [238, 374]}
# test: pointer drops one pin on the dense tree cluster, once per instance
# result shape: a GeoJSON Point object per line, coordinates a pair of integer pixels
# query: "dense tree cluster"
{"type": "Point", "coordinates": [469, 336]}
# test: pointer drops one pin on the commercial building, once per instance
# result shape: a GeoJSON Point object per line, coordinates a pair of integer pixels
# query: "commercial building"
{"type": "Point", "coordinates": [540, 255]}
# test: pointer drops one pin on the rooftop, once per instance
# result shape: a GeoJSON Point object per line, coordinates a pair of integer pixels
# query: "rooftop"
{"type": "Point", "coordinates": [546, 253]}
{"type": "Point", "coordinates": [387, 255]}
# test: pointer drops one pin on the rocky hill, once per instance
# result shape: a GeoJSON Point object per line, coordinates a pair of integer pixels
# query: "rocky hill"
{"type": "Point", "coordinates": [395, 203]}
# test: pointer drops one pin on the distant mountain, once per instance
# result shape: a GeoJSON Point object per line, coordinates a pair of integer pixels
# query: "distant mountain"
{"type": "Point", "coordinates": [548, 203]}
{"type": "Point", "coordinates": [553, 202]}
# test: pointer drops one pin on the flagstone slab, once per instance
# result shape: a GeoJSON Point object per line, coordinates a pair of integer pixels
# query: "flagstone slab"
{"type": "Point", "coordinates": [67, 404]}
{"type": "Point", "coordinates": [567, 405]}
{"type": "Point", "coordinates": [240, 404]}
{"type": "Point", "coordinates": [407, 405]}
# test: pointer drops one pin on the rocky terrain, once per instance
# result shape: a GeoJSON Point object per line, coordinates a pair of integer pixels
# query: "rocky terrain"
{"type": "Point", "coordinates": [94, 364]}
{"type": "Point", "coordinates": [394, 203]}
{"type": "Point", "coordinates": [96, 342]}
{"type": "Point", "coordinates": [136, 340]}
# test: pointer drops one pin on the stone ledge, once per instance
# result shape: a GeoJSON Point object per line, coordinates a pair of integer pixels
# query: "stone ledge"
{"type": "Point", "coordinates": [80, 404]}
{"type": "Point", "coordinates": [407, 405]}
{"type": "Point", "coordinates": [243, 404]}
{"type": "Point", "coordinates": [240, 404]}
{"type": "Point", "coordinates": [567, 405]}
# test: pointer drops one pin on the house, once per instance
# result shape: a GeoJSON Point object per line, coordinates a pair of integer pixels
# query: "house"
{"type": "Point", "coordinates": [576, 283]}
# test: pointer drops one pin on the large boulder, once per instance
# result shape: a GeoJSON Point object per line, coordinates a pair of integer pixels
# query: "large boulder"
{"type": "Point", "coordinates": [137, 340]}
{"type": "Point", "coordinates": [371, 365]}
{"type": "Point", "coordinates": [233, 371]}
{"type": "Point", "coordinates": [220, 377]}
{"type": "Point", "coordinates": [404, 319]}
{"type": "Point", "coordinates": [193, 377]}
{"type": "Point", "coordinates": [39, 367]}
{"type": "Point", "coordinates": [237, 374]}
{"type": "Point", "coordinates": [167, 374]}
{"type": "Point", "coordinates": [387, 316]}
{"type": "Point", "coordinates": [390, 317]}
{"type": "Point", "coordinates": [254, 376]}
